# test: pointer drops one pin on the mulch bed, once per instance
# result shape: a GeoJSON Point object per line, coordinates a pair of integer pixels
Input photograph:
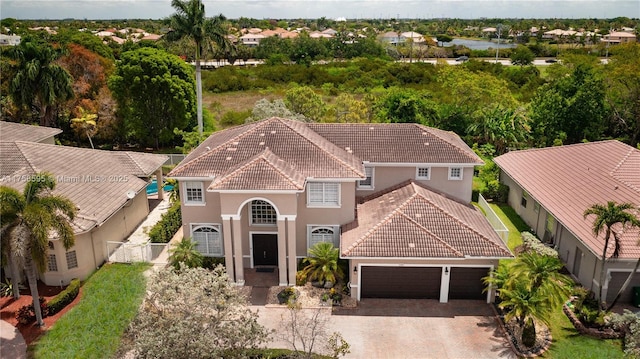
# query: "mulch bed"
{"type": "Point", "coordinates": [31, 332]}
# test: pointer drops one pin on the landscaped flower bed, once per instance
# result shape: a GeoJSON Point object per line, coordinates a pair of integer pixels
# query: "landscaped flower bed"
{"type": "Point", "coordinates": [600, 332]}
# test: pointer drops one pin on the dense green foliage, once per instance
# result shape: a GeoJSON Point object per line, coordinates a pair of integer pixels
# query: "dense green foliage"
{"type": "Point", "coordinates": [155, 92]}
{"type": "Point", "coordinates": [185, 253]}
{"type": "Point", "coordinates": [169, 223]}
{"type": "Point", "coordinates": [65, 297]}
{"type": "Point", "coordinates": [93, 329]}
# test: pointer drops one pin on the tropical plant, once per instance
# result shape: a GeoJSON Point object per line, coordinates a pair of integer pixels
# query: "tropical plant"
{"type": "Point", "coordinates": [530, 288]}
{"type": "Point", "coordinates": [39, 80]}
{"type": "Point", "coordinates": [85, 124]}
{"type": "Point", "coordinates": [195, 313]}
{"type": "Point", "coordinates": [185, 253]}
{"type": "Point", "coordinates": [189, 21]}
{"type": "Point", "coordinates": [322, 264]}
{"type": "Point", "coordinates": [606, 217]}
{"type": "Point", "coordinates": [28, 220]}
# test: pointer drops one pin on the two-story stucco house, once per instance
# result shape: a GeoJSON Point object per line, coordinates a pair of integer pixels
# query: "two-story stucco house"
{"type": "Point", "coordinates": [395, 198]}
{"type": "Point", "coordinates": [550, 188]}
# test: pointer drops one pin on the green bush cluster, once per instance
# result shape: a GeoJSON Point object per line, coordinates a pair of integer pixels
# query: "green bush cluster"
{"type": "Point", "coordinates": [496, 191]}
{"type": "Point", "coordinates": [168, 225]}
{"type": "Point", "coordinates": [531, 243]}
{"type": "Point", "coordinates": [65, 297]}
{"type": "Point", "coordinates": [586, 308]}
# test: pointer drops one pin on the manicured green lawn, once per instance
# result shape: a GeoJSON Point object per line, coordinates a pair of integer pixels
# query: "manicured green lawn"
{"type": "Point", "coordinates": [567, 343]}
{"type": "Point", "coordinates": [94, 327]}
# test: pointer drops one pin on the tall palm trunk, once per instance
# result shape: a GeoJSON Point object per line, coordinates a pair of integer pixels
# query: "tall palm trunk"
{"type": "Point", "coordinates": [625, 285]}
{"type": "Point", "coordinates": [15, 277]}
{"type": "Point", "coordinates": [199, 89]}
{"type": "Point", "coordinates": [602, 269]}
{"type": "Point", "coordinates": [30, 268]}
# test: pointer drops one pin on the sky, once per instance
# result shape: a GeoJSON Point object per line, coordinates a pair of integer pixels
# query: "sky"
{"type": "Point", "coordinates": [331, 9]}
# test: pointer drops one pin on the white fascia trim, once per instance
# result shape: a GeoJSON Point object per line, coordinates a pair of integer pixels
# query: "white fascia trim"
{"type": "Point", "coordinates": [254, 191]}
{"type": "Point", "coordinates": [317, 179]}
{"type": "Point", "coordinates": [192, 178]}
{"type": "Point", "coordinates": [407, 164]}
{"type": "Point", "coordinates": [291, 217]}
{"type": "Point", "coordinates": [231, 216]}
{"type": "Point", "coordinates": [426, 258]}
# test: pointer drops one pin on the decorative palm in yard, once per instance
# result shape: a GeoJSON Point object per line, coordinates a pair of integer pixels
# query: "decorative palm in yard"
{"type": "Point", "coordinates": [189, 21]}
{"type": "Point", "coordinates": [530, 288]}
{"type": "Point", "coordinates": [607, 216]}
{"type": "Point", "coordinates": [185, 252]}
{"type": "Point", "coordinates": [322, 264]}
{"type": "Point", "coordinates": [28, 220]}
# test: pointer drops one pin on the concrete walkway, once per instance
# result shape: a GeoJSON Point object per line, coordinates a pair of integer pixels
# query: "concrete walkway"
{"type": "Point", "coordinates": [12, 344]}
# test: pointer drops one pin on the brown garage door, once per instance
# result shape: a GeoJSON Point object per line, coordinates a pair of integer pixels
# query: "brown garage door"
{"type": "Point", "coordinates": [401, 282]}
{"type": "Point", "coordinates": [617, 279]}
{"type": "Point", "coordinates": [466, 283]}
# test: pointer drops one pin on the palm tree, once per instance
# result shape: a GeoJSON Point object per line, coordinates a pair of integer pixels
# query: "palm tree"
{"type": "Point", "coordinates": [543, 276]}
{"type": "Point", "coordinates": [39, 81]}
{"type": "Point", "coordinates": [185, 252]}
{"type": "Point", "coordinates": [28, 221]}
{"type": "Point", "coordinates": [322, 263]}
{"type": "Point", "coordinates": [189, 21]}
{"type": "Point", "coordinates": [85, 124]}
{"type": "Point", "coordinates": [607, 217]}
{"type": "Point", "coordinates": [525, 306]}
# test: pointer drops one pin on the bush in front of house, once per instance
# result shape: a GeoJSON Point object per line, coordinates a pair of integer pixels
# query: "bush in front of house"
{"type": "Point", "coordinates": [168, 225]}
{"type": "Point", "coordinates": [26, 314]}
{"type": "Point", "coordinates": [532, 244]}
{"type": "Point", "coordinates": [65, 297]}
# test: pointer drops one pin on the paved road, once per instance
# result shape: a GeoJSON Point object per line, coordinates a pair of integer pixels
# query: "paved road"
{"type": "Point", "coordinates": [410, 329]}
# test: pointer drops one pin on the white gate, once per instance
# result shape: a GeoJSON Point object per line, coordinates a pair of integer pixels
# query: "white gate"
{"type": "Point", "coordinates": [124, 252]}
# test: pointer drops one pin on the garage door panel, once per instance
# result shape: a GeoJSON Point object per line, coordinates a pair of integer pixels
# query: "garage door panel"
{"type": "Point", "coordinates": [616, 282]}
{"type": "Point", "coordinates": [401, 282]}
{"type": "Point", "coordinates": [466, 283]}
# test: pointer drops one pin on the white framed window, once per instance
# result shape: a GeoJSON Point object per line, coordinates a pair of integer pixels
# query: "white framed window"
{"type": "Point", "coordinates": [263, 213]}
{"type": "Point", "coordinates": [323, 233]}
{"type": "Point", "coordinates": [455, 173]}
{"type": "Point", "coordinates": [72, 260]}
{"type": "Point", "coordinates": [194, 193]}
{"type": "Point", "coordinates": [523, 200]}
{"type": "Point", "coordinates": [423, 173]}
{"type": "Point", "coordinates": [323, 194]}
{"type": "Point", "coordinates": [368, 182]}
{"type": "Point", "coordinates": [52, 263]}
{"type": "Point", "coordinates": [208, 239]}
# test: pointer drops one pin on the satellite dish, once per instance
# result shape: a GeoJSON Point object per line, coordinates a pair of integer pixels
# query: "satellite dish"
{"type": "Point", "coordinates": [131, 194]}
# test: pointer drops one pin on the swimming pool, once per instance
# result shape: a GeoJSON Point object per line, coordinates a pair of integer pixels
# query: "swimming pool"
{"type": "Point", "coordinates": [152, 188]}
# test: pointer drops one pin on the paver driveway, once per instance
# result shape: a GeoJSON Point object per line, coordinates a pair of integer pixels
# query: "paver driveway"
{"type": "Point", "coordinates": [398, 328]}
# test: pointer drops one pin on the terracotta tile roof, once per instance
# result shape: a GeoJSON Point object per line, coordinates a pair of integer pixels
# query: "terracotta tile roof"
{"type": "Point", "coordinates": [291, 141]}
{"type": "Point", "coordinates": [397, 142]}
{"type": "Point", "coordinates": [410, 220]}
{"type": "Point", "coordinates": [566, 180]}
{"type": "Point", "coordinates": [96, 181]}
{"type": "Point", "coordinates": [11, 131]}
{"type": "Point", "coordinates": [263, 172]}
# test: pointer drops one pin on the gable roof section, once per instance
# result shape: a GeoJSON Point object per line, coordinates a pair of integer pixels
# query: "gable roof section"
{"type": "Point", "coordinates": [566, 180]}
{"type": "Point", "coordinates": [398, 143]}
{"type": "Point", "coordinates": [11, 131]}
{"type": "Point", "coordinates": [412, 221]}
{"type": "Point", "coordinates": [263, 172]}
{"type": "Point", "coordinates": [96, 181]}
{"type": "Point", "coordinates": [291, 141]}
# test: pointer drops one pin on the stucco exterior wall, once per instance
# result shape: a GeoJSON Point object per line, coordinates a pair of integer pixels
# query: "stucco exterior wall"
{"type": "Point", "coordinates": [91, 248]}
{"type": "Point", "coordinates": [388, 176]}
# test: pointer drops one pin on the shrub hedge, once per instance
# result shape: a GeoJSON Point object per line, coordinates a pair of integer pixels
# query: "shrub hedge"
{"type": "Point", "coordinates": [65, 297]}
{"type": "Point", "coordinates": [168, 225]}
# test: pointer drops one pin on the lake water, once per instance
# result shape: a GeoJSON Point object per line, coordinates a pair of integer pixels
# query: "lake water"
{"type": "Point", "coordinates": [478, 44]}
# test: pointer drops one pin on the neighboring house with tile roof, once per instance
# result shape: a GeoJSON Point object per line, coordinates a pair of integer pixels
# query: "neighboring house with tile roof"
{"type": "Point", "coordinates": [12, 131]}
{"type": "Point", "coordinates": [107, 187]}
{"type": "Point", "coordinates": [550, 188]}
{"type": "Point", "coordinates": [395, 198]}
